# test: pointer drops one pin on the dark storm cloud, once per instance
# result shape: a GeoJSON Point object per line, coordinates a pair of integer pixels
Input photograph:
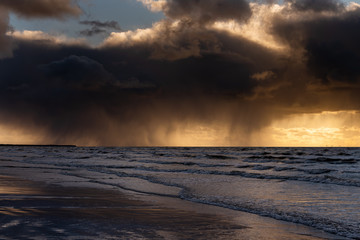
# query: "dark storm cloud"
{"type": "Point", "coordinates": [5, 43]}
{"type": "Point", "coordinates": [121, 96]}
{"type": "Point", "coordinates": [42, 8]}
{"type": "Point", "coordinates": [77, 72]}
{"type": "Point", "coordinates": [208, 10]}
{"type": "Point", "coordinates": [139, 86]}
{"type": "Point", "coordinates": [31, 9]}
{"type": "Point", "coordinates": [331, 45]}
{"type": "Point", "coordinates": [317, 5]}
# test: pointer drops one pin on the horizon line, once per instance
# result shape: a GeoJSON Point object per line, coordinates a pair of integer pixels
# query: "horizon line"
{"type": "Point", "coordinates": [76, 146]}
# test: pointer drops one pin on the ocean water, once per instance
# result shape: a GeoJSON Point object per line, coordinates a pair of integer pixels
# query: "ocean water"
{"type": "Point", "coordinates": [316, 187]}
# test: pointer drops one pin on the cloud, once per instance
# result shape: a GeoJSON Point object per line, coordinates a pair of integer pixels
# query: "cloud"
{"type": "Point", "coordinates": [154, 5]}
{"type": "Point", "coordinates": [83, 95]}
{"type": "Point", "coordinates": [169, 40]}
{"type": "Point", "coordinates": [42, 8]}
{"type": "Point", "coordinates": [77, 73]}
{"type": "Point", "coordinates": [92, 31]}
{"type": "Point", "coordinates": [44, 37]}
{"type": "Point", "coordinates": [208, 10]}
{"type": "Point", "coordinates": [5, 43]}
{"type": "Point", "coordinates": [31, 9]}
{"type": "Point", "coordinates": [317, 5]}
{"type": "Point", "coordinates": [98, 27]}
{"type": "Point", "coordinates": [200, 70]}
{"type": "Point", "coordinates": [329, 43]}
{"type": "Point", "coordinates": [99, 24]}
{"type": "Point", "coordinates": [202, 11]}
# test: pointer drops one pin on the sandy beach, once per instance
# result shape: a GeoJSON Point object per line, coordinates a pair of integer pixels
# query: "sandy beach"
{"type": "Point", "coordinates": [35, 210]}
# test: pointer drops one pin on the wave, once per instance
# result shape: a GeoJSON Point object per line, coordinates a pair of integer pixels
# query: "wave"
{"type": "Point", "coordinates": [326, 179]}
{"type": "Point", "coordinates": [345, 229]}
{"type": "Point", "coordinates": [297, 160]}
{"type": "Point", "coordinates": [166, 166]}
{"type": "Point", "coordinates": [334, 160]}
{"type": "Point", "coordinates": [215, 156]}
{"type": "Point", "coordinates": [184, 163]}
{"type": "Point", "coordinates": [338, 227]}
{"type": "Point", "coordinates": [315, 175]}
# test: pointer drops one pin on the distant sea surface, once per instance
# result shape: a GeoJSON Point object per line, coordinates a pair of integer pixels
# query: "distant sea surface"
{"type": "Point", "coordinates": [316, 187]}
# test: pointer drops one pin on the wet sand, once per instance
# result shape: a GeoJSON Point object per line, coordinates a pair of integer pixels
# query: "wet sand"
{"type": "Point", "coordinates": [35, 210]}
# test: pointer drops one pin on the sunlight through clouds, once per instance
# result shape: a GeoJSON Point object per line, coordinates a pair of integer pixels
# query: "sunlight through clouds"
{"type": "Point", "coordinates": [340, 128]}
{"type": "Point", "coordinates": [205, 73]}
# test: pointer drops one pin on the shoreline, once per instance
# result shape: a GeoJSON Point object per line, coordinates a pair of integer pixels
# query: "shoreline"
{"type": "Point", "coordinates": [30, 209]}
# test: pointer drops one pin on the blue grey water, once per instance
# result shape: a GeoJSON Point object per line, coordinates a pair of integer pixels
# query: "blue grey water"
{"type": "Point", "coordinates": [316, 187]}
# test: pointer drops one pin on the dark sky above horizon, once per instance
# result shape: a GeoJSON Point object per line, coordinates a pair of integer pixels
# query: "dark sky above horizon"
{"type": "Point", "coordinates": [180, 72]}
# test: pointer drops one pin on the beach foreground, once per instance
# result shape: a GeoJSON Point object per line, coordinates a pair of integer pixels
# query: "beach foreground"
{"type": "Point", "coordinates": [35, 210]}
{"type": "Point", "coordinates": [51, 192]}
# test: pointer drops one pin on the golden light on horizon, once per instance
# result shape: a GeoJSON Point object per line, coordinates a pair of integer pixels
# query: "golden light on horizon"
{"type": "Point", "coordinates": [200, 135]}
{"type": "Point", "coordinates": [325, 129]}
{"type": "Point", "coordinates": [14, 135]}
{"type": "Point", "coordinates": [332, 129]}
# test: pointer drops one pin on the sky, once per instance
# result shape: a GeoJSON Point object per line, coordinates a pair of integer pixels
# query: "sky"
{"type": "Point", "coordinates": [180, 72]}
{"type": "Point", "coordinates": [129, 14]}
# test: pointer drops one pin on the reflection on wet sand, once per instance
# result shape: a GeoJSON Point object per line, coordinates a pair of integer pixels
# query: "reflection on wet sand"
{"type": "Point", "coordinates": [29, 209]}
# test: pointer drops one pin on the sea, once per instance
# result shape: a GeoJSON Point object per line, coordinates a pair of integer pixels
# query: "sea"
{"type": "Point", "coordinates": [315, 187]}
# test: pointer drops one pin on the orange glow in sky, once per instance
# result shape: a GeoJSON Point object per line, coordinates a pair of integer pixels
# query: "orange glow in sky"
{"type": "Point", "coordinates": [331, 129]}
{"type": "Point", "coordinates": [318, 129]}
